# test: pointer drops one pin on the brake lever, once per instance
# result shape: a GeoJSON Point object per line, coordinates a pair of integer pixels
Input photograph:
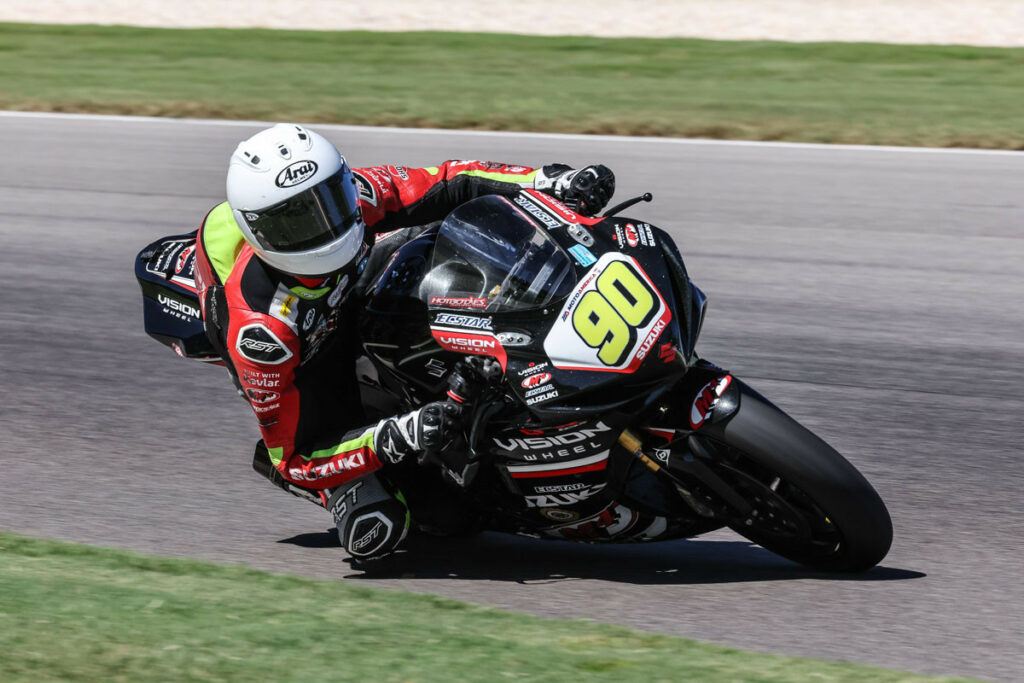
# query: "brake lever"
{"type": "Point", "coordinates": [645, 197]}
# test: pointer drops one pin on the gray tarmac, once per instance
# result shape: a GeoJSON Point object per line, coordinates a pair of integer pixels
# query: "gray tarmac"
{"type": "Point", "coordinates": [876, 295]}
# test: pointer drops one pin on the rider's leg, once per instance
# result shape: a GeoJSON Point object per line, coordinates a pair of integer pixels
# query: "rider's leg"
{"type": "Point", "coordinates": [371, 519]}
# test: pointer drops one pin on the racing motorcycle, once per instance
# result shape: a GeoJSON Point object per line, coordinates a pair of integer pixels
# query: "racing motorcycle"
{"type": "Point", "coordinates": [604, 425]}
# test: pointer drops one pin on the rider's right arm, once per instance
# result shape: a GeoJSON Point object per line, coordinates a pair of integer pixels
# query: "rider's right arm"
{"type": "Point", "coordinates": [265, 352]}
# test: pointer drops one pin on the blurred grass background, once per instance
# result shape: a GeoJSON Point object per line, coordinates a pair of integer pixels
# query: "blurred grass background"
{"type": "Point", "coordinates": [74, 612]}
{"type": "Point", "coordinates": [835, 92]}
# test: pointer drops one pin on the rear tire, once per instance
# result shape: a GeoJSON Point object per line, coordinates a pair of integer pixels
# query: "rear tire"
{"type": "Point", "coordinates": [813, 506]}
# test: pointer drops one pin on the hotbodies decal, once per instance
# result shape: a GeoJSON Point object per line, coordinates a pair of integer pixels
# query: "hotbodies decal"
{"type": "Point", "coordinates": [611, 321]}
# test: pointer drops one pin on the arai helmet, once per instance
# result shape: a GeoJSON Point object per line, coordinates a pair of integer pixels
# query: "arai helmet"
{"type": "Point", "coordinates": [296, 201]}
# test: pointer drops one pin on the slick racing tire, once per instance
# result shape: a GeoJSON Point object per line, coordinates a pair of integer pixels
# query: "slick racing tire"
{"type": "Point", "coordinates": [809, 504]}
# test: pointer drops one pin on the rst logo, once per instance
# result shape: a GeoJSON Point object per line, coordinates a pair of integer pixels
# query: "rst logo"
{"type": "Point", "coordinates": [259, 344]}
{"type": "Point", "coordinates": [296, 173]}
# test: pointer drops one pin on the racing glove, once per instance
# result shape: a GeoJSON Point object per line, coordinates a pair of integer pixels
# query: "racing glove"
{"type": "Point", "coordinates": [471, 376]}
{"type": "Point", "coordinates": [585, 191]}
{"type": "Point", "coordinates": [431, 428]}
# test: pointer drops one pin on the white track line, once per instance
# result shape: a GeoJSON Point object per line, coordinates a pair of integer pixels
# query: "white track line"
{"type": "Point", "coordinates": [511, 134]}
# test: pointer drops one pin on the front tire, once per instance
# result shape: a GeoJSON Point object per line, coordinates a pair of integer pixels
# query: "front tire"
{"type": "Point", "coordinates": [810, 504]}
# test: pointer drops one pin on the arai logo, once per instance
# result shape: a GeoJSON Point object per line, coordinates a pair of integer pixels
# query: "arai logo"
{"type": "Point", "coordinates": [296, 173]}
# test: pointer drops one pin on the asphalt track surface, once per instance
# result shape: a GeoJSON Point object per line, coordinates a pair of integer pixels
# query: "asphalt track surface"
{"type": "Point", "coordinates": [874, 294]}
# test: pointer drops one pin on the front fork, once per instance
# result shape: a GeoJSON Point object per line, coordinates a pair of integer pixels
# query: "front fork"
{"type": "Point", "coordinates": [707, 395]}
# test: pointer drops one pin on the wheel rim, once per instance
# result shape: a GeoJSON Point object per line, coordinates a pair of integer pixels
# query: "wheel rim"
{"type": "Point", "coordinates": [784, 519]}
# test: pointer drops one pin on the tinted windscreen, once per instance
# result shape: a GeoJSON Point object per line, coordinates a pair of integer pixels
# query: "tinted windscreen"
{"type": "Point", "coordinates": [309, 219]}
{"type": "Point", "coordinates": [489, 255]}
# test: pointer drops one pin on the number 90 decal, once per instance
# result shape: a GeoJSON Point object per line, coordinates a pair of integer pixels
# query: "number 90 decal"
{"type": "Point", "coordinates": [611, 321]}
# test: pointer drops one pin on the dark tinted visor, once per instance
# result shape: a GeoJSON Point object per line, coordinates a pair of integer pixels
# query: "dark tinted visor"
{"type": "Point", "coordinates": [311, 218]}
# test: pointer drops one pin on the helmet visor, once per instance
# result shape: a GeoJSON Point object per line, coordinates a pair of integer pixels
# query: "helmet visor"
{"type": "Point", "coordinates": [310, 219]}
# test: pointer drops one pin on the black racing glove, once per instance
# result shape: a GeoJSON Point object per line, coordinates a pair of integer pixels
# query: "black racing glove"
{"type": "Point", "coordinates": [471, 376]}
{"type": "Point", "coordinates": [585, 191]}
{"type": "Point", "coordinates": [431, 428]}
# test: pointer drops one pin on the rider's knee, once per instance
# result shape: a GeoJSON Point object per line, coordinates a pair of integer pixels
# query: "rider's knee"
{"type": "Point", "coordinates": [371, 520]}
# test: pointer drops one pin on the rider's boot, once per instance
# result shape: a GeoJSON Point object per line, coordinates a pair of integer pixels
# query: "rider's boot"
{"type": "Point", "coordinates": [371, 522]}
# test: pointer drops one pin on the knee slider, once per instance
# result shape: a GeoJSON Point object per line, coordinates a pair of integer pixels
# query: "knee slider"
{"type": "Point", "coordinates": [371, 522]}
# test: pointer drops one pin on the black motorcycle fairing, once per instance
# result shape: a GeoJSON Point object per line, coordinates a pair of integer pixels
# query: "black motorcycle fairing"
{"type": "Point", "coordinates": [399, 335]}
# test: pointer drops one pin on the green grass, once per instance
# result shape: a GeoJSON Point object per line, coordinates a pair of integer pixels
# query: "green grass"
{"type": "Point", "coordinates": [829, 92]}
{"type": "Point", "coordinates": [73, 612]}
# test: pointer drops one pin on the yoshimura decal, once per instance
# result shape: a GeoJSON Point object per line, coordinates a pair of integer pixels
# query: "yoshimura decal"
{"type": "Point", "coordinates": [611, 320]}
{"type": "Point", "coordinates": [296, 173]}
{"type": "Point", "coordinates": [259, 344]}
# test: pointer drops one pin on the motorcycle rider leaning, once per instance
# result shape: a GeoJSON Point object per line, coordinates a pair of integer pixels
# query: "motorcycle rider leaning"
{"type": "Point", "coordinates": [275, 266]}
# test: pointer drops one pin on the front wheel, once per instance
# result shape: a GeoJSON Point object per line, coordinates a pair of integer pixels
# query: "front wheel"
{"type": "Point", "coordinates": [808, 503]}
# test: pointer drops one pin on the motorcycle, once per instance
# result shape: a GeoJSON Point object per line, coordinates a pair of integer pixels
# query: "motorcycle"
{"type": "Point", "coordinates": [604, 424]}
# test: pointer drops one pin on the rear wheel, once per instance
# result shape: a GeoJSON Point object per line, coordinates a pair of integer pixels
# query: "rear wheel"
{"type": "Point", "coordinates": [808, 503]}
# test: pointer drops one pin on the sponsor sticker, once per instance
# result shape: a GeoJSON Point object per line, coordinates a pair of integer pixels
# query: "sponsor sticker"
{"type": "Point", "coordinates": [632, 238]}
{"type": "Point", "coordinates": [458, 320]}
{"type": "Point", "coordinates": [435, 367]}
{"type": "Point", "coordinates": [307, 322]}
{"type": "Point", "coordinates": [367, 193]}
{"type": "Point", "coordinates": [179, 309]}
{"type": "Point", "coordinates": [261, 396]}
{"type": "Point", "coordinates": [583, 256]}
{"type": "Point", "coordinates": [553, 393]}
{"type": "Point", "coordinates": [459, 301]}
{"type": "Point", "coordinates": [706, 398]}
{"type": "Point", "coordinates": [536, 380]}
{"type": "Point", "coordinates": [480, 344]}
{"type": "Point", "coordinates": [547, 219]}
{"type": "Point", "coordinates": [564, 499]}
{"type": "Point", "coordinates": [558, 515]}
{"type": "Point", "coordinates": [532, 369]}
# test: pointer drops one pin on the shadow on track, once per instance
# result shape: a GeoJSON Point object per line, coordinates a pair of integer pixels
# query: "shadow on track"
{"type": "Point", "coordinates": [502, 557]}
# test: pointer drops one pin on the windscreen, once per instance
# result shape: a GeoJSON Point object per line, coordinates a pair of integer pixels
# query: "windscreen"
{"type": "Point", "coordinates": [490, 256]}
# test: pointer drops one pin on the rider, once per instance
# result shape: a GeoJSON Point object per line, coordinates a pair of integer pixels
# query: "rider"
{"type": "Point", "coordinates": [275, 266]}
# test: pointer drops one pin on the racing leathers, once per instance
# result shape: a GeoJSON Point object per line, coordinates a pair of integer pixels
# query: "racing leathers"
{"type": "Point", "coordinates": [291, 343]}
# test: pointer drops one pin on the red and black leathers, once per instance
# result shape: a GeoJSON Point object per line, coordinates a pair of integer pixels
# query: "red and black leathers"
{"type": "Point", "coordinates": [291, 342]}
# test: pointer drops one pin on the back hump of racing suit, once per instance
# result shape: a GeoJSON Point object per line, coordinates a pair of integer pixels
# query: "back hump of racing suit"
{"type": "Point", "coordinates": [166, 273]}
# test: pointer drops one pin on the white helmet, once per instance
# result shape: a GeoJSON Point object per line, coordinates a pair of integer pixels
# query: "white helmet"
{"type": "Point", "coordinates": [296, 201]}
